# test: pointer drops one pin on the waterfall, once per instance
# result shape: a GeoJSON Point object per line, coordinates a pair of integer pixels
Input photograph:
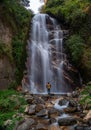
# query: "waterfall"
{"type": "Point", "coordinates": [46, 57]}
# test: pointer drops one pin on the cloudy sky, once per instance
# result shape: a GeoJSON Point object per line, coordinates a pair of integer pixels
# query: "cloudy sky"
{"type": "Point", "coordinates": [35, 5]}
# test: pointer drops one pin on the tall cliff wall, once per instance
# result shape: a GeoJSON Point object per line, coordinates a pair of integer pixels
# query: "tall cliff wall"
{"type": "Point", "coordinates": [7, 68]}
{"type": "Point", "coordinates": [14, 28]}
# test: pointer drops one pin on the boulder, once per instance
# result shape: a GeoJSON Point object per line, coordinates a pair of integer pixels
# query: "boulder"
{"type": "Point", "coordinates": [70, 109]}
{"type": "Point", "coordinates": [52, 113]}
{"type": "Point", "coordinates": [67, 121]}
{"type": "Point", "coordinates": [82, 127]}
{"type": "Point", "coordinates": [72, 103]}
{"type": "Point", "coordinates": [88, 116]}
{"type": "Point", "coordinates": [52, 120]}
{"type": "Point", "coordinates": [41, 127]}
{"type": "Point", "coordinates": [32, 109]}
{"type": "Point", "coordinates": [26, 109]}
{"type": "Point", "coordinates": [42, 113]}
{"type": "Point", "coordinates": [39, 107]}
{"type": "Point", "coordinates": [29, 100]}
{"type": "Point", "coordinates": [7, 122]}
{"type": "Point", "coordinates": [63, 102]}
{"type": "Point", "coordinates": [53, 127]}
{"type": "Point", "coordinates": [38, 100]}
{"type": "Point", "coordinates": [25, 125]}
{"type": "Point", "coordinates": [75, 94]}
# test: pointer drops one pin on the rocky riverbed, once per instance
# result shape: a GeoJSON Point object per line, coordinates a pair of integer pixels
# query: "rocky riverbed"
{"type": "Point", "coordinates": [54, 112]}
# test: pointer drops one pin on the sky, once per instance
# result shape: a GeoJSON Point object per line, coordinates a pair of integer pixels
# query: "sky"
{"type": "Point", "coordinates": [35, 5]}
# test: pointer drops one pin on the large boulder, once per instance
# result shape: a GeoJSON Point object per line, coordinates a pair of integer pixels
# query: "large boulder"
{"type": "Point", "coordinates": [24, 124]}
{"type": "Point", "coordinates": [41, 127]}
{"type": "Point", "coordinates": [63, 102]}
{"type": "Point", "coordinates": [82, 127]}
{"type": "Point", "coordinates": [42, 113]}
{"type": "Point", "coordinates": [32, 109]}
{"type": "Point", "coordinates": [39, 107]}
{"type": "Point", "coordinates": [67, 121]}
{"type": "Point", "coordinates": [52, 113]}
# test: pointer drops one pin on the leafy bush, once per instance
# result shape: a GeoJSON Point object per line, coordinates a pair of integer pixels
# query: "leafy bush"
{"type": "Point", "coordinates": [68, 11]}
{"type": "Point", "coordinates": [86, 62]}
{"type": "Point", "coordinates": [86, 96]}
{"type": "Point", "coordinates": [11, 103]}
{"type": "Point", "coordinates": [75, 45]}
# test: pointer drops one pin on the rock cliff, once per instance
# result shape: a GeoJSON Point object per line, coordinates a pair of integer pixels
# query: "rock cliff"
{"type": "Point", "coordinates": [14, 28]}
{"type": "Point", "coordinates": [6, 67]}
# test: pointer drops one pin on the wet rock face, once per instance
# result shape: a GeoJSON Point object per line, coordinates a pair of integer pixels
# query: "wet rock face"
{"type": "Point", "coordinates": [50, 59]}
{"type": "Point", "coordinates": [70, 73]}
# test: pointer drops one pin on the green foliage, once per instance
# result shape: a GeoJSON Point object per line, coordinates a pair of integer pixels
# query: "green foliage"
{"type": "Point", "coordinates": [18, 19]}
{"type": "Point", "coordinates": [75, 45]}
{"type": "Point", "coordinates": [12, 85]}
{"type": "Point", "coordinates": [86, 90]}
{"type": "Point", "coordinates": [76, 16]}
{"type": "Point", "coordinates": [86, 64]}
{"type": "Point", "coordinates": [89, 41]}
{"type": "Point", "coordinates": [86, 96]}
{"type": "Point", "coordinates": [5, 50]}
{"type": "Point", "coordinates": [70, 12]}
{"type": "Point", "coordinates": [11, 103]}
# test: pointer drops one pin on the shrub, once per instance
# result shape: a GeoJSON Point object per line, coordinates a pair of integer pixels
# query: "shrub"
{"type": "Point", "coordinates": [86, 64]}
{"type": "Point", "coordinates": [11, 103]}
{"type": "Point", "coordinates": [75, 45]}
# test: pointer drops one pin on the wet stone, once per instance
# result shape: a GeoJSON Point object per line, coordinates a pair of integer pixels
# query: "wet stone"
{"type": "Point", "coordinates": [42, 113]}
{"type": "Point", "coordinates": [26, 124]}
{"type": "Point", "coordinates": [70, 109]}
{"type": "Point", "coordinates": [52, 120]}
{"type": "Point", "coordinates": [82, 127]}
{"type": "Point", "coordinates": [53, 113]}
{"type": "Point", "coordinates": [32, 109]}
{"type": "Point", "coordinates": [63, 102]}
{"type": "Point", "coordinates": [41, 127]}
{"type": "Point", "coordinates": [67, 121]}
{"type": "Point", "coordinates": [39, 107]}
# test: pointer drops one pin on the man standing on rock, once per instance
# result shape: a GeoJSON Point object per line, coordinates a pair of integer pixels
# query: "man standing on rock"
{"type": "Point", "coordinates": [48, 87]}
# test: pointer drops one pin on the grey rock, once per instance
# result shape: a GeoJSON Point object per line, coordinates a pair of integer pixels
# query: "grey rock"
{"type": "Point", "coordinates": [67, 121]}
{"type": "Point", "coordinates": [32, 109]}
{"type": "Point", "coordinates": [63, 102]}
{"type": "Point", "coordinates": [42, 113]}
{"type": "Point", "coordinates": [25, 125]}
{"type": "Point", "coordinates": [41, 127]}
{"type": "Point", "coordinates": [82, 127]}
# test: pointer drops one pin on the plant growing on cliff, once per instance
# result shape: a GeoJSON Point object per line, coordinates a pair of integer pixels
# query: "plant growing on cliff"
{"type": "Point", "coordinates": [18, 19]}
{"type": "Point", "coordinates": [75, 45]}
{"type": "Point", "coordinates": [5, 50]}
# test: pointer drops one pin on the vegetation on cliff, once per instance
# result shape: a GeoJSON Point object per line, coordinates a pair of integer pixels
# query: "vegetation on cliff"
{"type": "Point", "coordinates": [17, 18]}
{"type": "Point", "coordinates": [75, 16]}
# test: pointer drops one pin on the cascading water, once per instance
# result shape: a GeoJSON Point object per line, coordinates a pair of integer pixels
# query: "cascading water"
{"type": "Point", "coordinates": [46, 56]}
